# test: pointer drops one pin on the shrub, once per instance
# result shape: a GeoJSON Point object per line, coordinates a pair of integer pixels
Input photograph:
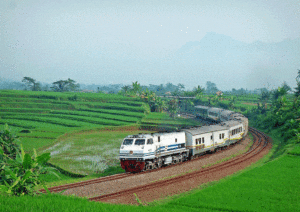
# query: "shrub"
{"type": "Point", "coordinates": [19, 171]}
{"type": "Point", "coordinates": [8, 143]}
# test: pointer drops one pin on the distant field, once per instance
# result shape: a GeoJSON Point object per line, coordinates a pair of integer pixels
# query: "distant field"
{"type": "Point", "coordinates": [47, 115]}
{"type": "Point", "coordinates": [163, 121]}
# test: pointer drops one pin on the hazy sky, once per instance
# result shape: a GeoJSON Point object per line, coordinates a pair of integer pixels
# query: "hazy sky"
{"type": "Point", "coordinates": [121, 41]}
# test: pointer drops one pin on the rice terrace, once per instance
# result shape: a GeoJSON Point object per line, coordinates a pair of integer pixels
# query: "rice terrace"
{"type": "Point", "coordinates": [83, 133]}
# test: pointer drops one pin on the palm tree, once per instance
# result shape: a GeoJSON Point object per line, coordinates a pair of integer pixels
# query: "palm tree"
{"type": "Point", "coordinates": [136, 88]}
{"type": "Point", "coordinates": [125, 89]}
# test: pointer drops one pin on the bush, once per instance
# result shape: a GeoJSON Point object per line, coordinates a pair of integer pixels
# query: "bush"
{"type": "Point", "coordinates": [19, 171]}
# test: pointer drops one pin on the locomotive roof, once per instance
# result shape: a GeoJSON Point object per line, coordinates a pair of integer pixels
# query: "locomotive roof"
{"type": "Point", "coordinates": [226, 112]}
{"type": "Point", "coordinates": [231, 123]}
{"type": "Point", "coordinates": [205, 129]}
{"type": "Point", "coordinates": [202, 107]}
{"type": "Point", "coordinates": [215, 109]}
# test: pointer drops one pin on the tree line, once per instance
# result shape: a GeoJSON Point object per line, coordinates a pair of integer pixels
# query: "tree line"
{"type": "Point", "coordinates": [59, 86]}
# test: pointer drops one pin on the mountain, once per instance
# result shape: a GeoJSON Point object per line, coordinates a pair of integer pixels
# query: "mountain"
{"type": "Point", "coordinates": [222, 59]}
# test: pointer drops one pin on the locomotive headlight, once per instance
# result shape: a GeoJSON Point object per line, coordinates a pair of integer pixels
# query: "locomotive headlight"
{"type": "Point", "coordinates": [142, 147]}
{"type": "Point", "coordinates": [122, 147]}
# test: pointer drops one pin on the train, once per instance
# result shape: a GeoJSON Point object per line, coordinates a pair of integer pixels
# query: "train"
{"type": "Point", "coordinates": [144, 152]}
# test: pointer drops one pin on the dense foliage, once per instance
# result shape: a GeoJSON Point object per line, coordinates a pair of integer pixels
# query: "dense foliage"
{"type": "Point", "coordinates": [19, 171]}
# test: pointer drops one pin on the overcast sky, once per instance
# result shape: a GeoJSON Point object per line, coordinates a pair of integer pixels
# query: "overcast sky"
{"type": "Point", "coordinates": [121, 41]}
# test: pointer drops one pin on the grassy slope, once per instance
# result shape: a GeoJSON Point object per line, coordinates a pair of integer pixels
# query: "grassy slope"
{"type": "Point", "coordinates": [272, 187]}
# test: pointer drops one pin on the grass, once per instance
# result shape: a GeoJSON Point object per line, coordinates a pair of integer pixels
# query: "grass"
{"type": "Point", "coordinates": [272, 187]}
{"type": "Point", "coordinates": [295, 150]}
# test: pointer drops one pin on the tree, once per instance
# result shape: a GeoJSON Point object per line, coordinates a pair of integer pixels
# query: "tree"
{"type": "Point", "coordinates": [281, 91]}
{"type": "Point", "coordinates": [71, 85]}
{"type": "Point", "coordinates": [286, 87]}
{"type": "Point", "coordinates": [31, 84]}
{"type": "Point", "coordinates": [125, 89]}
{"type": "Point", "coordinates": [180, 87]}
{"type": "Point", "coordinates": [198, 91]}
{"type": "Point", "coordinates": [297, 89]}
{"type": "Point", "coordinates": [298, 76]}
{"type": "Point", "coordinates": [211, 87]}
{"type": "Point", "coordinates": [173, 107]}
{"type": "Point", "coordinates": [136, 88]}
{"type": "Point", "coordinates": [65, 85]}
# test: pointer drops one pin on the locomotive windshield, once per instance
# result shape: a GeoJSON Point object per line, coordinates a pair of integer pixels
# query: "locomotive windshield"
{"type": "Point", "coordinates": [139, 142]}
{"type": "Point", "coordinates": [128, 142]}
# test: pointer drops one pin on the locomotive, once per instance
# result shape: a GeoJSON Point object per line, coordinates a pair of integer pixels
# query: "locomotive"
{"type": "Point", "coordinates": [150, 151]}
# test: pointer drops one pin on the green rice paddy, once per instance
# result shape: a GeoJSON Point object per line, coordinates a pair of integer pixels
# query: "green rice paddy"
{"type": "Point", "coordinates": [47, 115]}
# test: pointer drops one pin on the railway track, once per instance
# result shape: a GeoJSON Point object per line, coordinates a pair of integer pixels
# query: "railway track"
{"type": "Point", "coordinates": [124, 175]}
{"type": "Point", "coordinates": [260, 144]}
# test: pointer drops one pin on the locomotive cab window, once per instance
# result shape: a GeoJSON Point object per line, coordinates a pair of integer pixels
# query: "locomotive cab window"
{"type": "Point", "coordinates": [128, 142]}
{"type": "Point", "coordinates": [139, 142]}
{"type": "Point", "coordinates": [158, 138]}
{"type": "Point", "coordinates": [150, 141]}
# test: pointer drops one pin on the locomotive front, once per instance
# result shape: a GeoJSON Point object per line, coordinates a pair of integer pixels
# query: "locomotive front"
{"type": "Point", "coordinates": [135, 150]}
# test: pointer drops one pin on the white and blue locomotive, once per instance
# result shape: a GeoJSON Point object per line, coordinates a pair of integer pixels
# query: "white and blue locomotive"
{"type": "Point", "coordinates": [149, 151]}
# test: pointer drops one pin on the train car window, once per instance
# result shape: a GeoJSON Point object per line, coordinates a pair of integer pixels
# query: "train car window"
{"type": "Point", "coordinates": [223, 134]}
{"type": "Point", "coordinates": [211, 137]}
{"type": "Point", "coordinates": [203, 140]}
{"type": "Point", "coordinates": [175, 140]}
{"type": "Point", "coordinates": [158, 138]}
{"type": "Point", "coordinates": [219, 136]}
{"type": "Point", "coordinates": [128, 142]}
{"type": "Point", "coordinates": [150, 141]}
{"type": "Point", "coordinates": [139, 142]}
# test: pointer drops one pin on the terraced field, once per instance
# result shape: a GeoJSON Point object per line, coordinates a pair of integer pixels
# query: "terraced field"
{"type": "Point", "coordinates": [81, 131]}
{"type": "Point", "coordinates": [41, 117]}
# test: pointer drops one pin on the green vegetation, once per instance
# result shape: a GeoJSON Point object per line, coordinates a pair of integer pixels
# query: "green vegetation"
{"type": "Point", "coordinates": [47, 115]}
{"type": "Point", "coordinates": [19, 171]}
{"type": "Point", "coordinates": [269, 185]}
{"type": "Point", "coordinates": [162, 121]}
